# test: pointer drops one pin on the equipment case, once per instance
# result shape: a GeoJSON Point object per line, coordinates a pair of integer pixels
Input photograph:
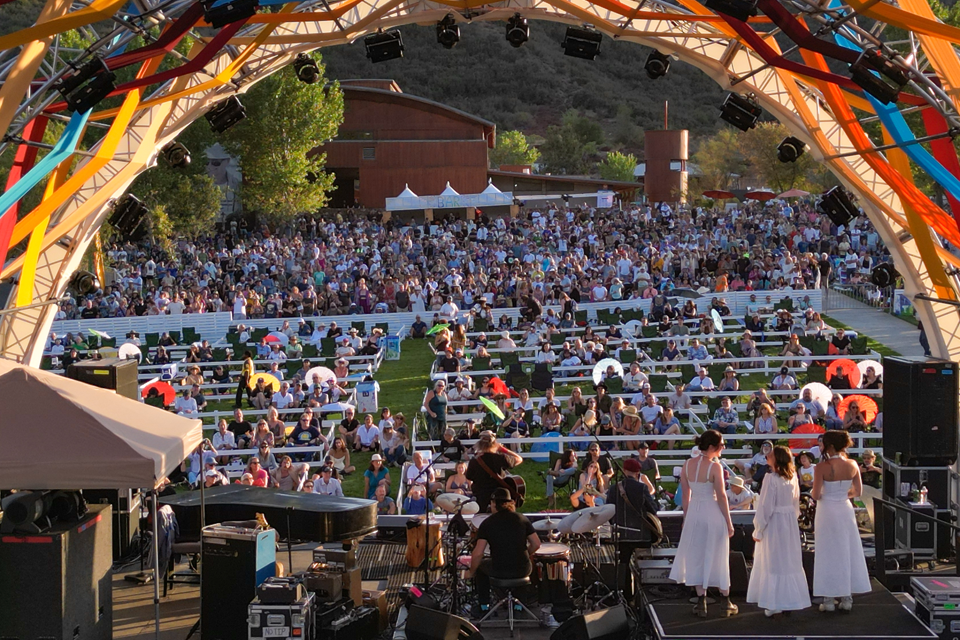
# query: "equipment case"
{"type": "Point", "coordinates": [938, 604]}
{"type": "Point", "coordinates": [285, 621]}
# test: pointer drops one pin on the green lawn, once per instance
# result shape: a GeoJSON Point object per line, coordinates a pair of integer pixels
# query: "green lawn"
{"type": "Point", "coordinates": [871, 343]}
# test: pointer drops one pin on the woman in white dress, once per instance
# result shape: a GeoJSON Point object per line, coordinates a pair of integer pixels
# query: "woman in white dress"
{"type": "Point", "coordinates": [839, 566]}
{"type": "Point", "coordinates": [777, 582]}
{"type": "Point", "coordinates": [702, 558]}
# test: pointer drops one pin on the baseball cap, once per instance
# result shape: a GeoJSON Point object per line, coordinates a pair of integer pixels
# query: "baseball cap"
{"type": "Point", "coordinates": [211, 473]}
{"type": "Point", "coordinates": [643, 444]}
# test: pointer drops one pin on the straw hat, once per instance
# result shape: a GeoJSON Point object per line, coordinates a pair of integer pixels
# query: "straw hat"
{"type": "Point", "coordinates": [630, 411]}
{"type": "Point", "coordinates": [736, 481]}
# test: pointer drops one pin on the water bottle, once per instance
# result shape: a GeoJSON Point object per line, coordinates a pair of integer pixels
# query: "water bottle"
{"type": "Point", "coordinates": [914, 492]}
{"type": "Point", "coordinates": [923, 495]}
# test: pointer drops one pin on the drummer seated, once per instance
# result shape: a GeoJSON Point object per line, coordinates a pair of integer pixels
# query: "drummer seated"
{"type": "Point", "coordinates": [417, 503]}
{"type": "Point", "coordinates": [512, 541]}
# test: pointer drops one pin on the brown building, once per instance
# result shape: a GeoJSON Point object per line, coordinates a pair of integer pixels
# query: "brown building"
{"type": "Point", "coordinates": [665, 173]}
{"type": "Point", "coordinates": [390, 139]}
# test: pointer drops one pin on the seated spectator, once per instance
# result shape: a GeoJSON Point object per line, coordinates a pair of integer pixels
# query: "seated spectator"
{"type": "Point", "coordinates": [739, 496]}
{"type": "Point", "coordinates": [289, 476]}
{"type": "Point", "coordinates": [551, 420]}
{"type": "Point", "coordinates": [766, 421]}
{"type": "Point", "coordinates": [416, 503]}
{"type": "Point", "coordinates": [282, 399]}
{"type": "Point", "coordinates": [368, 436]}
{"type": "Point", "coordinates": [241, 429]}
{"type": "Point", "coordinates": [679, 400]}
{"type": "Point", "coordinates": [421, 472]}
{"type": "Point", "coordinates": [670, 352]}
{"type": "Point", "coordinates": [260, 394]}
{"type": "Point", "coordinates": [166, 340]}
{"type": "Point", "coordinates": [349, 425]}
{"type": "Point", "coordinates": [326, 484]}
{"type": "Point", "coordinates": [725, 418]}
{"type": "Point", "coordinates": [784, 381]}
{"type": "Point", "coordinates": [213, 478]}
{"type": "Point", "coordinates": [806, 469]}
{"type": "Point", "coordinates": [648, 465]}
{"type": "Point", "coordinates": [259, 474]}
{"type": "Point", "coordinates": [185, 404]}
{"type": "Point", "coordinates": [220, 375]}
{"type": "Point", "coordinates": [376, 475]}
{"type": "Point", "coordinates": [667, 425]}
{"type": "Point", "coordinates": [448, 362]}
{"type": "Point", "coordinates": [870, 473]}
{"type": "Point", "coordinates": [263, 434]}
{"type": "Point", "coordinates": [729, 380]}
{"type": "Point", "coordinates": [267, 459]}
{"type": "Point", "coordinates": [340, 457]}
{"type": "Point", "coordinates": [515, 427]}
{"type": "Point", "coordinates": [812, 405]}
{"type": "Point", "coordinates": [841, 343]}
{"type": "Point", "coordinates": [801, 417]}
{"type": "Point", "coordinates": [193, 377]}
{"type": "Point", "coordinates": [275, 371]}
{"type": "Point", "coordinates": [386, 506]}
{"type": "Point", "coordinates": [392, 445]}
{"type": "Point", "coordinates": [451, 449]}
{"type": "Point", "coordinates": [458, 482]}
{"type": "Point", "coordinates": [701, 381]}
{"type": "Point", "coordinates": [634, 378]}
{"type": "Point", "coordinates": [593, 487]}
{"type": "Point", "coordinates": [697, 351]}
{"type": "Point", "coordinates": [279, 429]}
{"type": "Point", "coordinates": [792, 348]}
{"type": "Point", "coordinates": [650, 412]}
{"type": "Point", "coordinates": [756, 466]}
{"type": "Point", "coordinates": [305, 434]}
{"type": "Point", "coordinates": [223, 439]}
{"type": "Point", "coordinates": [854, 419]}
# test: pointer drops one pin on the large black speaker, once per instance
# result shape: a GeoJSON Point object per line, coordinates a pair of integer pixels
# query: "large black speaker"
{"type": "Point", "coordinates": [427, 624]}
{"type": "Point", "coordinates": [836, 205]}
{"type": "Point", "coordinates": [58, 584]}
{"type": "Point", "coordinates": [920, 411]}
{"type": "Point", "coordinates": [606, 624]}
{"type": "Point", "coordinates": [234, 561]}
{"type": "Point", "coordinates": [119, 374]}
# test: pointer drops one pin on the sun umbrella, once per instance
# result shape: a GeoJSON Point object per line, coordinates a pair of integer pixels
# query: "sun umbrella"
{"type": "Point", "coordinates": [846, 368]}
{"type": "Point", "coordinates": [164, 390]}
{"type": "Point", "coordinates": [717, 320]}
{"type": "Point", "coordinates": [633, 328]}
{"type": "Point", "coordinates": [761, 195]}
{"type": "Point", "coordinates": [99, 334]}
{"type": "Point", "coordinates": [499, 386]}
{"type": "Point", "coordinates": [717, 194]}
{"type": "Point", "coordinates": [867, 406]}
{"type": "Point", "coordinates": [437, 328]}
{"type": "Point", "coordinates": [492, 407]}
{"type": "Point", "coordinates": [276, 336]}
{"type": "Point", "coordinates": [601, 367]}
{"type": "Point", "coordinates": [811, 428]}
{"type": "Point", "coordinates": [794, 193]}
{"type": "Point", "coordinates": [130, 351]}
{"type": "Point", "coordinates": [863, 364]}
{"type": "Point", "coordinates": [324, 373]}
{"type": "Point", "coordinates": [335, 407]}
{"type": "Point", "coordinates": [819, 392]}
{"type": "Point", "coordinates": [268, 380]}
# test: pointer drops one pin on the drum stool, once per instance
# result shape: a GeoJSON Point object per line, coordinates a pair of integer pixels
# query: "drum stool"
{"type": "Point", "coordinates": [507, 585]}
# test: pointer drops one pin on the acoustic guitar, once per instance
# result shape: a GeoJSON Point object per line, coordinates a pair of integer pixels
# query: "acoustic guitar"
{"type": "Point", "coordinates": [514, 484]}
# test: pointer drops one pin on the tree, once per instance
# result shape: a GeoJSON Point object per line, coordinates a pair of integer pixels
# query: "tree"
{"type": "Point", "coordinates": [286, 119]}
{"type": "Point", "coordinates": [569, 146]}
{"type": "Point", "coordinates": [513, 148]}
{"type": "Point", "coordinates": [758, 146]}
{"type": "Point", "coordinates": [626, 132]}
{"type": "Point", "coordinates": [719, 159]}
{"type": "Point", "coordinates": [618, 166]}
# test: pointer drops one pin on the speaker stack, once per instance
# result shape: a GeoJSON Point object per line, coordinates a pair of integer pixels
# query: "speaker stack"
{"type": "Point", "coordinates": [119, 374]}
{"type": "Point", "coordinates": [920, 446]}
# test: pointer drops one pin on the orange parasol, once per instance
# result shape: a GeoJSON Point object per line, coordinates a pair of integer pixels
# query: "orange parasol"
{"type": "Point", "coordinates": [866, 404]}
{"type": "Point", "coordinates": [846, 368]}
{"type": "Point", "coordinates": [499, 386]}
{"type": "Point", "coordinates": [164, 390]}
{"type": "Point", "coordinates": [811, 428]}
{"type": "Point", "coordinates": [268, 381]}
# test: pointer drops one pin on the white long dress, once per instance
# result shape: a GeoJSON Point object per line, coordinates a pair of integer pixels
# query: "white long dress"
{"type": "Point", "coordinates": [703, 555]}
{"type": "Point", "coordinates": [777, 582]}
{"type": "Point", "coordinates": [839, 566]}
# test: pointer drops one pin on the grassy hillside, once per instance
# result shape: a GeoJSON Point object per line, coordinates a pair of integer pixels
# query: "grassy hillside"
{"type": "Point", "coordinates": [529, 88]}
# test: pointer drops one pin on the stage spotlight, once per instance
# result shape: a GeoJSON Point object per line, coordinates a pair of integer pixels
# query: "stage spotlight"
{"type": "Point", "coordinates": [83, 283]}
{"type": "Point", "coordinates": [739, 9]}
{"type": "Point", "coordinates": [448, 33]}
{"type": "Point", "coordinates": [306, 69]}
{"type": "Point", "coordinates": [790, 149]}
{"type": "Point", "coordinates": [565, 197]}
{"type": "Point", "coordinates": [884, 87]}
{"type": "Point", "coordinates": [225, 114]}
{"type": "Point", "coordinates": [177, 155]}
{"type": "Point", "coordinates": [836, 205]}
{"type": "Point", "coordinates": [384, 45]}
{"type": "Point", "coordinates": [657, 65]}
{"type": "Point", "coordinates": [740, 111]}
{"type": "Point", "coordinates": [128, 214]}
{"type": "Point", "coordinates": [883, 275]}
{"type": "Point", "coordinates": [582, 42]}
{"type": "Point", "coordinates": [228, 13]}
{"type": "Point", "coordinates": [84, 88]}
{"type": "Point", "coordinates": [518, 30]}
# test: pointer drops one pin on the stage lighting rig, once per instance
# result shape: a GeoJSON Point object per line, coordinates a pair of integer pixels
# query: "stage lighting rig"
{"type": "Point", "coordinates": [220, 15]}
{"type": "Point", "coordinates": [739, 9]}
{"type": "Point", "coordinates": [657, 65]}
{"type": "Point", "coordinates": [306, 69]}
{"type": "Point", "coordinates": [225, 114]}
{"type": "Point", "coordinates": [87, 86]}
{"type": "Point", "coordinates": [740, 111]}
{"type": "Point", "coordinates": [886, 86]}
{"type": "Point", "coordinates": [582, 42]}
{"type": "Point", "coordinates": [384, 45]}
{"type": "Point", "coordinates": [836, 205]}
{"type": "Point", "coordinates": [83, 283]}
{"type": "Point", "coordinates": [176, 155]}
{"type": "Point", "coordinates": [128, 214]}
{"type": "Point", "coordinates": [448, 33]}
{"type": "Point", "coordinates": [884, 275]}
{"type": "Point", "coordinates": [790, 149]}
{"type": "Point", "coordinates": [518, 31]}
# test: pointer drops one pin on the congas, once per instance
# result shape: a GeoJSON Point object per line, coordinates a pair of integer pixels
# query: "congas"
{"type": "Point", "coordinates": [423, 543]}
{"type": "Point", "coordinates": [552, 566]}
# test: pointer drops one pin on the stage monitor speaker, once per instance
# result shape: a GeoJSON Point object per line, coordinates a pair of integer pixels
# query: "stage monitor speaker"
{"type": "Point", "coordinates": [739, 576]}
{"type": "Point", "coordinates": [119, 374]}
{"type": "Point", "coordinates": [427, 624]}
{"type": "Point", "coordinates": [606, 624]}
{"type": "Point", "coordinates": [234, 561]}
{"type": "Point", "coordinates": [58, 584]}
{"type": "Point", "coordinates": [920, 416]}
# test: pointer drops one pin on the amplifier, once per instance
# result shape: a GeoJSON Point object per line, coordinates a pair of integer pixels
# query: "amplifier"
{"type": "Point", "coordinates": [119, 374]}
{"type": "Point", "coordinates": [291, 621]}
{"type": "Point", "coordinates": [653, 571]}
{"type": "Point", "coordinates": [360, 624]}
{"type": "Point", "coordinates": [327, 612]}
{"type": "Point", "coordinates": [280, 591]}
{"type": "Point", "coordinates": [328, 586]}
{"type": "Point", "coordinates": [336, 557]}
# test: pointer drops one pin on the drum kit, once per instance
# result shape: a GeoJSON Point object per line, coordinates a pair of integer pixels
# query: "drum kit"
{"type": "Point", "coordinates": [562, 535]}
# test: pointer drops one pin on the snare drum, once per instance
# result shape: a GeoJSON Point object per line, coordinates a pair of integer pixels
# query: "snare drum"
{"type": "Point", "coordinates": [553, 572]}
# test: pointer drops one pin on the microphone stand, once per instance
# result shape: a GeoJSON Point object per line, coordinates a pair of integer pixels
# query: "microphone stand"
{"type": "Point", "coordinates": [425, 472]}
{"type": "Point", "coordinates": [618, 476]}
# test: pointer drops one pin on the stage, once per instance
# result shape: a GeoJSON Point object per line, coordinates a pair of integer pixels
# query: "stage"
{"type": "Point", "coordinates": [878, 615]}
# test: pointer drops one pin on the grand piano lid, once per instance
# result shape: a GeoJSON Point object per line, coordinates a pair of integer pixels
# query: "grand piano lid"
{"type": "Point", "coordinates": [312, 516]}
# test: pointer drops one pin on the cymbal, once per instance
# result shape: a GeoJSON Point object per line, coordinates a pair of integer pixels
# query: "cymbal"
{"type": "Point", "coordinates": [477, 520]}
{"type": "Point", "coordinates": [566, 525]}
{"type": "Point", "coordinates": [591, 519]}
{"type": "Point", "coordinates": [449, 502]}
{"type": "Point", "coordinates": [546, 525]}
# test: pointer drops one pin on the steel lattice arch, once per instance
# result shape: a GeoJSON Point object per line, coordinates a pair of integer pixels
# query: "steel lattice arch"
{"type": "Point", "coordinates": [826, 110]}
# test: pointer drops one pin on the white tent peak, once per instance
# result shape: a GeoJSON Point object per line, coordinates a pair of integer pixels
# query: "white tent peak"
{"type": "Point", "coordinates": [449, 191]}
{"type": "Point", "coordinates": [491, 188]}
{"type": "Point", "coordinates": [407, 193]}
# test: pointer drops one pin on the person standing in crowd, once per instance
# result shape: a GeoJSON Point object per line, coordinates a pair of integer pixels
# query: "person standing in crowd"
{"type": "Point", "coordinates": [702, 559]}
{"type": "Point", "coordinates": [246, 372]}
{"type": "Point", "coordinates": [512, 541]}
{"type": "Point", "coordinates": [435, 404]}
{"type": "Point", "coordinates": [839, 567]}
{"type": "Point", "coordinates": [777, 582]}
{"type": "Point", "coordinates": [488, 467]}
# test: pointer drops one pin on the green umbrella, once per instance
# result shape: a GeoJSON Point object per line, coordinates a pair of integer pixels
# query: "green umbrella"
{"type": "Point", "coordinates": [100, 334]}
{"type": "Point", "coordinates": [492, 407]}
{"type": "Point", "coordinates": [436, 328]}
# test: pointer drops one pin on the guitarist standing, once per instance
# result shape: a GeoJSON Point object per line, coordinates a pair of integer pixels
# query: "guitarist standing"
{"type": "Point", "coordinates": [487, 468]}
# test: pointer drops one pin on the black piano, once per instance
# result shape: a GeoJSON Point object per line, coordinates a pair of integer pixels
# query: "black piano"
{"type": "Point", "coordinates": [311, 516]}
